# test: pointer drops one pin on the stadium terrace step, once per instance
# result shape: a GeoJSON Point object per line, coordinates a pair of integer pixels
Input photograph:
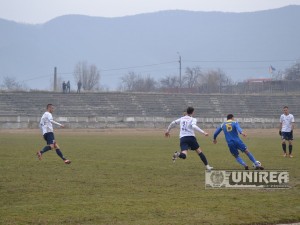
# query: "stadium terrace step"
{"type": "Point", "coordinates": [160, 105]}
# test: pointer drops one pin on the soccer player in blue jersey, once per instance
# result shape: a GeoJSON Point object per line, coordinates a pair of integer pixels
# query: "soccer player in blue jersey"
{"type": "Point", "coordinates": [232, 129]}
{"type": "Point", "coordinates": [47, 130]}
{"type": "Point", "coordinates": [187, 136]}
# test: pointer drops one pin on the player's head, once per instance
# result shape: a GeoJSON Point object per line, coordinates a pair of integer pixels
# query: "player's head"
{"type": "Point", "coordinates": [286, 110]}
{"type": "Point", "coordinates": [230, 117]}
{"type": "Point", "coordinates": [189, 110]}
{"type": "Point", "coordinates": [50, 108]}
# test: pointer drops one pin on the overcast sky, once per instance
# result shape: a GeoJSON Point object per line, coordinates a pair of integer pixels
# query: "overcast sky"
{"type": "Point", "coordinates": [40, 11]}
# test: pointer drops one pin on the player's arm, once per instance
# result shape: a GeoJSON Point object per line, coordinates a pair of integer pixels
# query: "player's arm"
{"type": "Point", "coordinates": [239, 129]}
{"type": "Point", "coordinates": [42, 123]}
{"type": "Point", "coordinates": [195, 127]}
{"type": "Point", "coordinates": [280, 125]}
{"type": "Point", "coordinates": [172, 125]}
{"type": "Point", "coordinates": [293, 127]}
{"type": "Point", "coordinates": [217, 132]}
{"type": "Point", "coordinates": [57, 123]}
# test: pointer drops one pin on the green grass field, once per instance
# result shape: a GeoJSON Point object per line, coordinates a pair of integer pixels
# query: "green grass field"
{"type": "Point", "coordinates": [127, 177]}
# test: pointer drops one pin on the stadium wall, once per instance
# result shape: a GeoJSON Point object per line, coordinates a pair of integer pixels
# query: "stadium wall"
{"type": "Point", "coordinates": [28, 122]}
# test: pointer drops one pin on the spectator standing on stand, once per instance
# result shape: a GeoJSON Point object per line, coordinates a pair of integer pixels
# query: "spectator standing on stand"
{"type": "Point", "coordinates": [79, 84]}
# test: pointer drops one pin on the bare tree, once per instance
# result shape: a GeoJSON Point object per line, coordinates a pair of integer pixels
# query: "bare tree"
{"type": "Point", "coordinates": [224, 80]}
{"type": "Point", "coordinates": [170, 82]}
{"type": "Point", "coordinates": [293, 72]}
{"type": "Point", "coordinates": [128, 81]}
{"type": "Point", "coordinates": [89, 75]}
{"type": "Point", "coordinates": [277, 76]}
{"type": "Point", "coordinates": [11, 84]}
{"type": "Point", "coordinates": [134, 82]}
{"type": "Point", "coordinates": [192, 77]}
{"type": "Point", "coordinates": [149, 84]}
{"type": "Point", "coordinates": [214, 81]}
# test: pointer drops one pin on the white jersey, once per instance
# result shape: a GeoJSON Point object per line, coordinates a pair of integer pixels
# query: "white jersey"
{"type": "Point", "coordinates": [46, 123]}
{"type": "Point", "coordinates": [287, 122]}
{"type": "Point", "coordinates": [187, 126]}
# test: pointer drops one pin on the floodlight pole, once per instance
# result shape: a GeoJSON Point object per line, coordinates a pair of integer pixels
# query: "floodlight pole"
{"type": "Point", "coordinates": [55, 80]}
{"type": "Point", "coordinates": [180, 85]}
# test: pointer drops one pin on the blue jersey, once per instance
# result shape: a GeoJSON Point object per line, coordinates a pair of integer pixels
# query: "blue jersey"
{"type": "Point", "coordinates": [231, 130]}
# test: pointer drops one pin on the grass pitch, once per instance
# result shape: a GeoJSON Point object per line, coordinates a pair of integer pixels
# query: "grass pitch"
{"type": "Point", "coordinates": [123, 177]}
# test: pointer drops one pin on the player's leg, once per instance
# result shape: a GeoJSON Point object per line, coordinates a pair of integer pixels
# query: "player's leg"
{"type": "Point", "coordinates": [241, 146]}
{"type": "Point", "coordinates": [290, 139]}
{"type": "Point", "coordinates": [196, 147]}
{"type": "Point", "coordinates": [241, 161]}
{"type": "Point", "coordinates": [49, 140]}
{"type": "Point", "coordinates": [283, 144]}
{"type": "Point", "coordinates": [45, 149]}
{"type": "Point", "coordinates": [244, 149]}
{"type": "Point", "coordinates": [184, 146]}
{"type": "Point", "coordinates": [251, 157]}
{"type": "Point", "coordinates": [234, 151]}
{"type": "Point", "coordinates": [182, 154]}
{"type": "Point", "coordinates": [203, 158]}
{"type": "Point", "coordinates": [290, 148]}
{"type": "Point", "coordinates": [60, 154]}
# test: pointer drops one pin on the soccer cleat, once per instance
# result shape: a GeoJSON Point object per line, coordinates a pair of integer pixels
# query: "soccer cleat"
{"type": "Point", "coordinates": [209, 168]}
{"type": "Point", "coordinates": [175, 156]}
{"type": "Point", "coordinates": [39, 155]}
{"type": "Point", "coordinates": [291, 156]}
{"type": "Point", "coordinates": [284, 155]}
{"type": "Point", "coordinates": [66, 161]}
{"type": "Point", "coordinates": [246, 168]}
{"type": "Point", "coordinates": [259, 167]}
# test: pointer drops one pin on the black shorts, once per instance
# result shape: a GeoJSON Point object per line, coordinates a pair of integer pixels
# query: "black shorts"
{"type": "Point", "coordinates": [287, 136]}
{"type": "Point", "coordinates": [188, 142]}
{"type": "Point", "coordinates": [49, 138]}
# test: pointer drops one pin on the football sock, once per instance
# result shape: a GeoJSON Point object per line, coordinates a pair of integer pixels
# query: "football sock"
{"type": "Point", "coordinates": [290, 149]}
{"type": "Point", "coordinates": [240, 161]}
{"type": "Point", "coordinates": [251, 157]}
{"type": "Point", "coordinates": [182, 155]}
{"type": "Point", "coordinates": [203, 158]}
{"type": "Point", "coordinates": [45, 149]}
{"type": "Point", "coordinates": [284, 147]}
{"type": "Point", "coordinates": [59, 153]}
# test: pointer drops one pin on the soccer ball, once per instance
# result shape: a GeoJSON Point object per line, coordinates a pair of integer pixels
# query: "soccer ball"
{"type": "Point", "coordinates": [258, 162]}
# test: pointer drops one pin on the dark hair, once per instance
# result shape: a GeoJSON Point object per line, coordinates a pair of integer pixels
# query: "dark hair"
{"type": "Point", "coordinates": [189, 110]}
{"type": "Point", "coordinates": [229, 116]}
{"type": "Point", "coordinates": [285, 107]}
{"type": "Point", "coordinates": [49, 106]}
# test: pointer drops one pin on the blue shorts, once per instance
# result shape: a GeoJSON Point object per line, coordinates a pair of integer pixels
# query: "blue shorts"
{"type": "Point", "coordinates": [188, 142]}
{"type": "Point", "coordinates": [235, 146]}
{"type": "Point", "coordinates": [49, 138]}
{"type": "Point", "coordinates": [287, 136]}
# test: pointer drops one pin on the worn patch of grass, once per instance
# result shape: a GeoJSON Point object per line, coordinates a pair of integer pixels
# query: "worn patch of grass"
{"type": "Point", "coordinates": [128, 177]}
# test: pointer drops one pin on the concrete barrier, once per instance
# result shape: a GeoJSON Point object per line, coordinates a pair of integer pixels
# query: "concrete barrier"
{"type": "Point", "coordinates": [96, 122]}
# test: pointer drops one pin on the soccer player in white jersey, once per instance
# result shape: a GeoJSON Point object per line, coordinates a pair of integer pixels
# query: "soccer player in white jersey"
{"type": "Point", "coordinates": [47, 130]}
{"type": "Point", "coordinates": [287, 124]}
{"type": "Point", "coordinates": [187, 136]}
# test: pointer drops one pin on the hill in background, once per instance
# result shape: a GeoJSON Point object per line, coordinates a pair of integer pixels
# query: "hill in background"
{"type": "Point", "coordinates": [243, 45]}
